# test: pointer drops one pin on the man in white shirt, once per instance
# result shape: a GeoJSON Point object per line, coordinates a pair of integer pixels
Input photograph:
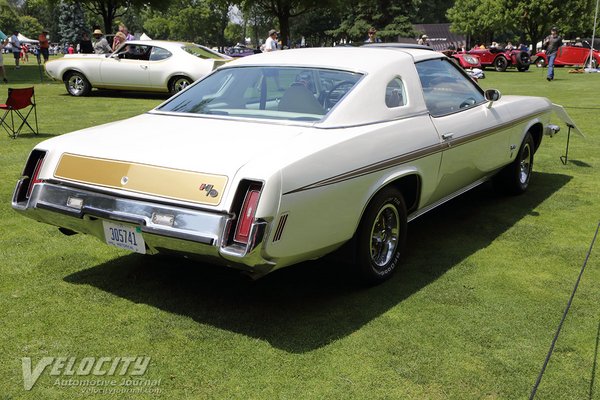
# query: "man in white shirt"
{"type": "Point", "coordinates": [271, 42]}
{"type": "Point", "coordinates": [16, 47]}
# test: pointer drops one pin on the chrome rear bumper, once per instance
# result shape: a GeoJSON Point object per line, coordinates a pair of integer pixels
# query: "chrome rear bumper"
{"type": "Point", "coordinates": [166, 228]}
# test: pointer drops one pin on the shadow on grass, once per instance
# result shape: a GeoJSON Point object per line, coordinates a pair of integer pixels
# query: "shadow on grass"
{"type": "Point", "coordinates": [125, 94]}
{"type": "Point", "coordinates": [301, 308]}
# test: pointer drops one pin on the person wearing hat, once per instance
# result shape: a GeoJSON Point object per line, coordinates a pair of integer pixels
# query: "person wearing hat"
{"type": "Point", "coordinates": [423, 40]}
{"type": "Point", "coordinates": [372, 36]}
{"type": "Point", "coordinates": [271, 42]}
{"type": "Point", "coordinates": [551, 44]}
{"type": "Point", "coordinates": [101, 45]}
{"type": "Point", "coordinates": [16, 48]}
{"type": "Point", "coordinates": [44, 45]}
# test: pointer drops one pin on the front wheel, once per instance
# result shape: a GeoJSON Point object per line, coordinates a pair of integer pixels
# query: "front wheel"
{"type": "Point", "coordinates": [77, 84]}
{"type": "Point", "coordinates": [179, 83]}
{"type": "Point", "coordinates": [515, 177]}
{"type": "Point", "coordinates": [500, 63]}
{"type": "Point", "coordinates": [540, 62]}
{"type": "Point", "coordinates": [381, 236]}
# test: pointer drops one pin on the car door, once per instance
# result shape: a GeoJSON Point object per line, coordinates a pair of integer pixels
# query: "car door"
{"type": "Point", "coordinates": [475, 136]}
{"type": "Point", "coordinates": [127, 68]}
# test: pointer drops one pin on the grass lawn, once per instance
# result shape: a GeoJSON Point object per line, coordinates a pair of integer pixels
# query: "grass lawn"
{"type": "Point", "coordinates": [470, 316]}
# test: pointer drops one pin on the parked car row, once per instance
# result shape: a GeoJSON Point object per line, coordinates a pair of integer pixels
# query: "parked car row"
{"type": "Point", "coordinates": [282, 157]}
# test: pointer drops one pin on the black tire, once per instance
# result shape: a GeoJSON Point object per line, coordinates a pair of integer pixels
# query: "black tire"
{"type": "Point", "coordinates": [500, 63]}
{"type": "Point", "coordinates": [381, 237]}
{"type": "Point", "coordinates": [523, 61]}
{"type": "Point", "coordinates": [540, 62]}
{"type": "Point", "coordinates": [178, 83]}
{"type": "Point", "coordinates": [515, 177]}
{"type": "Point", "coordinates": [77, 84]}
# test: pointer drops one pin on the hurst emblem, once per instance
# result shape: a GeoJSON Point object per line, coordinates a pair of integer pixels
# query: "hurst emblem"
{"type": "Point", "coordinates": [209, 189]}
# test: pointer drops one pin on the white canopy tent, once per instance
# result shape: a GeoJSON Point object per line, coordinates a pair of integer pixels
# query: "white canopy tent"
{"type": "Point", "coordinates": [24, 39]}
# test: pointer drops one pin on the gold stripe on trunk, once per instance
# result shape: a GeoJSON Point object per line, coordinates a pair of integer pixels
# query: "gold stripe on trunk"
{"type": "Point", "coordinates": [141, 178]}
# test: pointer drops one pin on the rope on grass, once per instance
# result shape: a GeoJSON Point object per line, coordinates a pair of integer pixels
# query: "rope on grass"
{"type": "Point", "coordinates": [587, 257]}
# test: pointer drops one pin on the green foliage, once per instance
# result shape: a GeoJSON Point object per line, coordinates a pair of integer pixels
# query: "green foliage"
{"type": "Point", "coordinates": [157, 27]}
{"type": "Point", "coordinates": [30, 26]}
{"type": "Point", "coordinates": [9, 19]}
{"type": "Point", "coordinates": [71, 22]}
{"type": "Point", "coordinates": [389, 18]}
{"type": "Point", "coordinates": [234, 33]}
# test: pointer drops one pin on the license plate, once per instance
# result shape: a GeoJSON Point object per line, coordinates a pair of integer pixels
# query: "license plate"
{"type": "Point", "coordinates": [124, 237]}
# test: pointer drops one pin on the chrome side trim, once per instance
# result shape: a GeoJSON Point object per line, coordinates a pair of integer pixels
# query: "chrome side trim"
{"type": "Point", "coordinates": [438, 203]}
{"type": "Point", "coordinates": [415, 155]}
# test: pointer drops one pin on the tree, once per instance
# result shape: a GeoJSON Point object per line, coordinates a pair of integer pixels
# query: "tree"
{"type": "Point", "coordinates": [71, 22]}
{"type": "Point", "coordinates": [389, 17]}
{"type": "Point", "coordinates": [30, 26]}
{"type": "Point", "coordinates": [108, 10]}
{"type": "Point", "coordinates": [284, 10]}
{"type": "Point", "coordinates": [479, 19]}
{"type": "Point", "coordinates": [8, 17]}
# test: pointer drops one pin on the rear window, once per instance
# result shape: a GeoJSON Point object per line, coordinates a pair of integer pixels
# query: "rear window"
{"type": "Point", "coordinates": [281, 93]}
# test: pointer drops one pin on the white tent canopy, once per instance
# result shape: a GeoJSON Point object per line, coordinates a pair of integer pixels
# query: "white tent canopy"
{"type": "Point", "coordinates": [24, 39]}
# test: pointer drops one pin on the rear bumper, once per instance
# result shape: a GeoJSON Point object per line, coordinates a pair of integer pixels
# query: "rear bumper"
{"type": "Point", "coordinates": [165, 228]}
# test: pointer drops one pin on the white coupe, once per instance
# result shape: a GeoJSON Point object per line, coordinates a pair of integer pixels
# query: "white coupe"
{"type": "Point", "coordinates": [286, 156]}
{"type": "Point", "coordinates": [144, 65]}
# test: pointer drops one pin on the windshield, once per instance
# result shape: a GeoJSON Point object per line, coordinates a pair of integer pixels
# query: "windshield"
{"type": "Point", "coordinates": [282, 93]}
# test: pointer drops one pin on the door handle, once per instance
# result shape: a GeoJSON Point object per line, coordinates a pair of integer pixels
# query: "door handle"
{"type": "Point", "coordinates": [143, 66]}
{"type": "Point", "coordinates": [447, 136]}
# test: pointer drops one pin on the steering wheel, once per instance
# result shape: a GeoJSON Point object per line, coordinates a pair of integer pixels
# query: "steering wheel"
{"type": "Point", "coordinates": [336, 93]}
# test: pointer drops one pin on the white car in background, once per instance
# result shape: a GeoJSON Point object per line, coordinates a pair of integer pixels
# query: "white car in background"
{"type": "Point", "coordinates": [283, 157]}
{"type": "Point", "coordinates": [140, 65]}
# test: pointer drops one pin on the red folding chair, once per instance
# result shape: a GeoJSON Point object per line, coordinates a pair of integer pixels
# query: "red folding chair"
{"type": "Point", "coordinates": [20, 102]}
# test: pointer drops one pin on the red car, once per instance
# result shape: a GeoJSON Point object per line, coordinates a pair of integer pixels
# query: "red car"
{"type": "Point", "coordinates": [570, 54]}
{"type": "Point", "coordinates": [501, 59]}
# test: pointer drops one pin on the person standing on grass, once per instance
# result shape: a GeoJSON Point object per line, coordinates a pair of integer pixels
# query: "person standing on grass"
{"type": "Point", "coordinates": [44, 45]}
{"type": "Point", "coordinates": [2, 69]}
{"type": "Point", "coordinates": [551, 44]}
{"type": "Point", "coordinates": [16, 48]}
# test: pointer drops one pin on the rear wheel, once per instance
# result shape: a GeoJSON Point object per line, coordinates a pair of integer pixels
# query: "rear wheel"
{"type": "Point", "coordinates": [179, 83]}
{"type": "Point", "coordinates": [381, 236]}
{"type": "Point", "coordinates": [515, 177]}
{"type": "Point", "coordinates": [77, 84]}
{"type": "Point", "coordinates": [500, 63]}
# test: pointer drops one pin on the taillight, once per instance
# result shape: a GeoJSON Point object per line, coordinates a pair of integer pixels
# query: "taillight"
{"type": "Point", "coordinates": [246, 216]}
{"type": "Point", "coordinates": [35, 176]}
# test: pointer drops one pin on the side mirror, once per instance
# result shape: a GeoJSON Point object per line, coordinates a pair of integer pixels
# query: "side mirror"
{"type": "Point", "coordinates": [492, 95]}
{"type": "Point", "coordinates": [115, 56]}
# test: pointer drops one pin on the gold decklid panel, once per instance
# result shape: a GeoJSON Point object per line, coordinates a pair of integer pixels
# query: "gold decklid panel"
{"type": "Point", "coordinates": [142, 178]}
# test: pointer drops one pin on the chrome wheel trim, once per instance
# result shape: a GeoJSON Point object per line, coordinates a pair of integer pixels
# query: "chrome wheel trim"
{"type": "Point", "coordinates": [525, 164]}
{"type": "Point", "coordinates": [384, 235]}
{"type": "Point", "coordinates": [76, 84]}
{"type": "Point", "coordinates": [180, 84]}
